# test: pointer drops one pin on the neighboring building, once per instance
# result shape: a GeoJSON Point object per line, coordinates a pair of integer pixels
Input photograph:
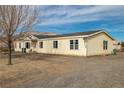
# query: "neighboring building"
{"type": "Point", "coordinates": [2, 44]}
{"type": "Point", "coordinates": [80, 44]}
{"type": "Point", "coordinates": [117, 45]}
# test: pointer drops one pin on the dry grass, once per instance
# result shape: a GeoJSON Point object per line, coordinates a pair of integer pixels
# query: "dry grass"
{"type": "Point", "coordinates": [39, 70]}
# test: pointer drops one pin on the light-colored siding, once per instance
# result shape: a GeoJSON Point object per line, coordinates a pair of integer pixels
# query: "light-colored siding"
{"type": "Point", "coordinates": [22, 46]}
{"type": "Point", "coordinates": [63, 47]}
{"type": "Point", "coordinates": [92, 45]}
{"type": "Point", "coordinates": [95, 45]}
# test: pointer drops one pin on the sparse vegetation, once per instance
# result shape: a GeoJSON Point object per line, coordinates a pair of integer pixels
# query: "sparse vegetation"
{"type": "Point", "coordinates": [42, 70]}
{"type": "Point", "coordinates": [3, 49]}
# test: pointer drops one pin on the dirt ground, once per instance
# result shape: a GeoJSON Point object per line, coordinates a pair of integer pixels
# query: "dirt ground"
{"type": "Point", "coordinates": [40, 70]}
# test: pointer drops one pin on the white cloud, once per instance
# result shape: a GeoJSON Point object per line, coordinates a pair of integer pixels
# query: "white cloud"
{"type": "Point", "coordinates": [52, 15]}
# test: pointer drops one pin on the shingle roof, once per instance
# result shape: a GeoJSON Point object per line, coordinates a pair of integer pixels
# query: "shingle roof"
{"type": "Point", "coordinates": [66, 35]}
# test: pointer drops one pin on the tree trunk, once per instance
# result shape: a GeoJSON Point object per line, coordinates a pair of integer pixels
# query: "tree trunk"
{"type": "Point", "coordinates": [10, 53]}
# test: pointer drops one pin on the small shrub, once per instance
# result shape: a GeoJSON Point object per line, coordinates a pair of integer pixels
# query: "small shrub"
{"type": "Point", "coordinates": [114, 51]}
{"type": "Point", "coordinates": [122, 44]}
{"type": "Point", "coordinates": [5, 49]}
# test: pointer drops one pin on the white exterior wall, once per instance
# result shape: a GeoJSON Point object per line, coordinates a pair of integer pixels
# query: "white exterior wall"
{"type": "Point", "coordinates": [95, 45]}
{"type": "Point", "coordinates": [63, 47]}
{"type": "Point", "coordinates": [22, 46]}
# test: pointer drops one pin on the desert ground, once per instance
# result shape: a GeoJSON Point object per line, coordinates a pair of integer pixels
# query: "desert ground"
{"type": "Point", "coordinates": [50, 71]}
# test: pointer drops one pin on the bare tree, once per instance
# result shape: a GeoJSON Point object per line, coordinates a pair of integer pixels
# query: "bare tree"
{"type": "Point", "coordinates": [16, 18]}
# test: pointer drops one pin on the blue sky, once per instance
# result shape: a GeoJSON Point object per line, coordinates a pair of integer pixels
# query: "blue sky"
{"type": "Point", "coordinates": [78, 18]}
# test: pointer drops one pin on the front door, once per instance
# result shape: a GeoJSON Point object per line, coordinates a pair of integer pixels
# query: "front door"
{"type": "Point", "coordinates": [23, 50]}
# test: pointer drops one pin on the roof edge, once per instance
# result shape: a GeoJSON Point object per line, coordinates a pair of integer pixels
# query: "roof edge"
{"type": "Point", "coordinates": [102, 31]}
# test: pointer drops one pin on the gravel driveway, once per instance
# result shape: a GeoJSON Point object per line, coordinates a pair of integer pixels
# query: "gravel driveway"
{"type": "Point", "coordinates": [40, 70]}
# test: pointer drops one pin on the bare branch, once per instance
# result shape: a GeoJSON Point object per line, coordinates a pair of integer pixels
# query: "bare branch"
{"type": "Point", "coordinates": [16, 18]}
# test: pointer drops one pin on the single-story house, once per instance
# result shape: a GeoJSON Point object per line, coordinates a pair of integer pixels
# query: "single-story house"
{"type": "Point", "coordinates": [79, 44]}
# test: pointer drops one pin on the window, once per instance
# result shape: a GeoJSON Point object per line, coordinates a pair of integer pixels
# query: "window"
{"type": "Point", "coordinates": [19, 45]}
{"type": "Point", "coordinates": [41, 44]}
{"type": "Point", "coordinates": [55, 44]}
{"type": "Point", "coordinates": [27, 45]}
{"type": "Point", "coordinates": [74, 44]}
{"type": "Point", "coordinates": [71, 44]}
{"type": "Point", "coordinates": [105, 45]}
